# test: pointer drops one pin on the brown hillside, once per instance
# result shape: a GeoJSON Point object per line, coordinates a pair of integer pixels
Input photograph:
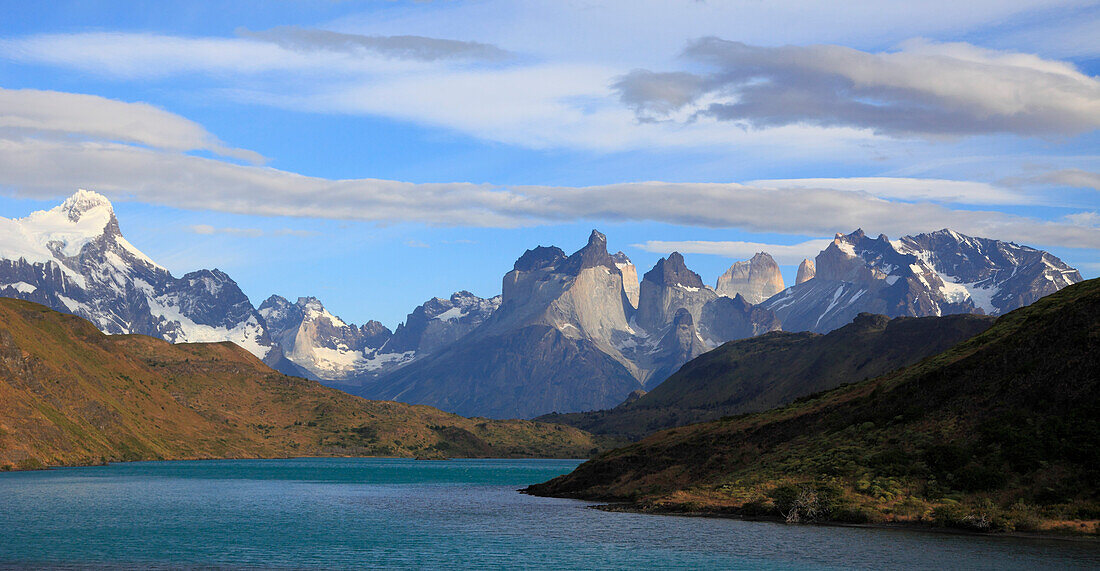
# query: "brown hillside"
{"type": "Point", "coordinates": [70, 395]}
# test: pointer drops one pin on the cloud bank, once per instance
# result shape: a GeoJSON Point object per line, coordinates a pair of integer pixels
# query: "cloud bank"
{"type": "Point", "coordinates": [38, 160]}
{"type": "Point", "coordinates": [924, 89]}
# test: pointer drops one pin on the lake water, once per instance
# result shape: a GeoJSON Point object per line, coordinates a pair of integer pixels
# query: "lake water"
{"type": "Point", "coordinates": [346, 513]}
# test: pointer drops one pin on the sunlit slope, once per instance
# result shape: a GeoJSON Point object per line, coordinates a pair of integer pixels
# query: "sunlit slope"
{"type": "Point", "coordinates": [72, 395]}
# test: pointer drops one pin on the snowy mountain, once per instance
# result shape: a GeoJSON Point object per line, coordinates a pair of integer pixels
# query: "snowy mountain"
{"type": "Point", "coordinates": [323, 347]}
{"type": "Point", "coordinates": [567, 337]}
{"type": "Point", "coordinates": [568, 333]}
{"type": "Point", "coordinates": [73, 258]}
{"type": "Point", "coordinates": [940, 273]}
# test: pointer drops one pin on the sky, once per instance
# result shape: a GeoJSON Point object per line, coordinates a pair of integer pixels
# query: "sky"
{"type": "Point", "coordinates": [376, 154]}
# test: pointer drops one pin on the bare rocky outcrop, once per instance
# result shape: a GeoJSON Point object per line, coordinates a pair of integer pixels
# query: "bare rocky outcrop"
{"type": "Point", "coordinates": [756, 279]}
{"type": "Point", "coordinates": [806, 271]}
{"type": "Point", "coordinates": [630, 277]}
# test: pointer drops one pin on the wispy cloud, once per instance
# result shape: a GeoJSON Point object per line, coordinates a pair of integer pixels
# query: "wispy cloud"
{"type": "Point", "coordinates": [206, 229]}
{"type": "Point", "coordinates": [914, 189]}
{"type": "Point", "coordinates": [789, 254]}
{"type": "Point", "coordinates": [401, 47]}
{"type": "Point", "coordinates": [67, 115]}
{"type": "Point", "coordinates": [1076, 178]}
{"type": "Point", "coordinates": [923, 89]}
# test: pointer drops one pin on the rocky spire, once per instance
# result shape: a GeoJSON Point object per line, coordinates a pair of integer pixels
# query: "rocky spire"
{"type": "Point", "coordinates": [673, 271]}
{"type": "Point", "coordinates": [806, 271]}
{"type": "Point", "coordinates": [756, 279]}
{"type": "Point", "coordinates": [630, 276]}
{"type": "Point", "coordinates": [592, 255]}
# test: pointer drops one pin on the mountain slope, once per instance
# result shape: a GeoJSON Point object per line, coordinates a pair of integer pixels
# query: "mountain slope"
{"type": "Point", "coordinates": [751, 375]}
{"type": "Point", "coordinates": [72, 395]}
{"type": "Point", "coordinates": [997, 433]}
{"type": "Point", "coordinates": [73, 258]}
{"type": "Point", "coordinates": [938, 273]}
{"type": "Point", "coordinates": [567, 336]}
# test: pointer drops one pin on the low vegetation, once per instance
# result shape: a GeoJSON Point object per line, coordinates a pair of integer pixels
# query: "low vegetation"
{"type": "Point", "coordinates": [997, 434]}
{"type": "Point", "coordinates": [70, 395]}
{"type": "Point", "coordinates": [757, 374]}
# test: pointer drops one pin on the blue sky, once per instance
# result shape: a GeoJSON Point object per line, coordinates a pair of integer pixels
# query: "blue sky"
{"type": "Point", "coordinates": [376, 154]}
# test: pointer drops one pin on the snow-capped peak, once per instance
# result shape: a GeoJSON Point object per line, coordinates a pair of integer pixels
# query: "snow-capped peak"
{"type": "Point", "coordinates": [84, 202]}
{"type": "Point", "coordinates": [63, 230]}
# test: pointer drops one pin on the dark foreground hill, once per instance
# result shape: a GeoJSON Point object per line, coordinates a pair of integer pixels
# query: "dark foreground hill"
{"type": "Point", "coordinates": [752, 375]}
{"type": "Point", "coordinates": [71, 395]}
{"type": "Point", "coordinates": [999, 432]}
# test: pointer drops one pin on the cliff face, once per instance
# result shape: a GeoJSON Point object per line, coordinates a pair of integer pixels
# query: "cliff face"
{"type": "Point", "coordinates": [668, 287]}
{"type": "Point", "coordinates": [806, 271]}
{"type": "Point", "coordinates": [756, 279]}
{"type": "Point", "coordinates": [630, 277]}
{"type": "Point", "coordinates": [567, 336]}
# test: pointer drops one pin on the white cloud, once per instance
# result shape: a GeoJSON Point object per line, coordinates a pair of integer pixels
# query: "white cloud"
{"type": "Point", "coordinates": [1088, 218]}
{"type": "Point", "coordinates": [38, 163]}
{"type": "Point", "coordinates": [400, 47]}
{"type": "Point", "coordinates": [924, 89]}
{"type": "Point", "coordinates": [788, 254]}
{"type": "Point", "coordinates": [208, 230]}
{"type": "Point", "coordinates": [926, 189]}
{"type": "Point", "coordinates": [154, 56]}
{"type": "Point", "coordinates": [1076, 178]}
{"type": "Point", "coordinates": [50, 169]}
{"type": "Point", "coordinates": [71, 114]}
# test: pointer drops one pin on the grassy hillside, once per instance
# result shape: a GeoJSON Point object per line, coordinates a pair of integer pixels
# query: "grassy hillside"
{"type": "Point", "coordinates": [70, 395]}
{"type": "Point", "coordinates": [752, 375]}
{"type": "Point", "coordinates": [999, 432]}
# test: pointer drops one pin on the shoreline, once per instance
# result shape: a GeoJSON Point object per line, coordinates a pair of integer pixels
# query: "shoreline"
{"type": "Point", "coordinates": [627, 507]}
{"type": "Point", "coordinates": [16, 469]}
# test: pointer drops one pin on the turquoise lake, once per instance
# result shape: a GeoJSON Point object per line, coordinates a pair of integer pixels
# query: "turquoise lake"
{"type": "Point", "coordinates": [364, 513]}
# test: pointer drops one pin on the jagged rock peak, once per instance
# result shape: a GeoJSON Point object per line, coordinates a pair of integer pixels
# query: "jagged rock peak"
{"type": "Point", "coordinates": [591, 255]}
{"type": "Point", "coordinates": [673, 271]}
{"type": "Point", "coordinates": [83, 201]}
{"type": "Point", "coordinates": [630, 277]}
{"type": "Point", "coordinates": [538, 258]}
{"type": "Point", "coordinates": [756, 279]}
{"type": "Point", "coordinates": [806, 271]}
{"type": "Point", "coordinates": [311, 303]}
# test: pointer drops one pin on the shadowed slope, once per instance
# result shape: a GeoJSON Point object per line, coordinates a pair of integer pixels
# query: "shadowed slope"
{"type": "Point", "coordinates": [998, 432]}
{"type": "Point", "coordinates": [751, 375]}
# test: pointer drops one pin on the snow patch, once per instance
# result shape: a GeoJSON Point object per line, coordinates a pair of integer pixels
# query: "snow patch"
{"type": "Point", "coordinates": [21, 287]}
{"type": "Point", "coordinates": [452, 314]}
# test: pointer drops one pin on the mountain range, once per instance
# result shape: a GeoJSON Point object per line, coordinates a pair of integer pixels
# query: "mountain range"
{"type": "Point", "coordinates": [568, 332]}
